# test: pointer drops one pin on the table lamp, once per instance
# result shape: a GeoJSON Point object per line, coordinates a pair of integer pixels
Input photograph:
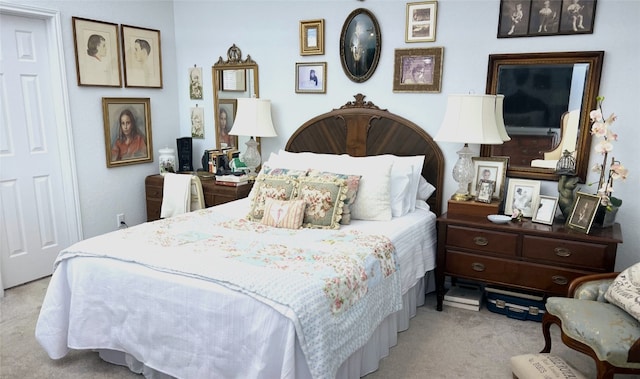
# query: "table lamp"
{"type": "Point", "coordinates": [253, 119]}
{"type": "Point", "coordinates": [469, 119]}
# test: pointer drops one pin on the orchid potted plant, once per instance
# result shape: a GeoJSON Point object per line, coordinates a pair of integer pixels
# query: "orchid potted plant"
{"type": "Point", "coordinates": [601, 128]}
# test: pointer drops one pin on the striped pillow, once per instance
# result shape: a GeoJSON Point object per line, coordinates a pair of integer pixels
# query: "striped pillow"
{"type": "Point", "coordinates": [284, 213]}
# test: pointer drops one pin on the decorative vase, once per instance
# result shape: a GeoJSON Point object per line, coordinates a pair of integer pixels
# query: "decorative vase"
{"type": "Point", "coordinates": [605, 218]}
{"type": "Point", "coordinates": [167, 160]}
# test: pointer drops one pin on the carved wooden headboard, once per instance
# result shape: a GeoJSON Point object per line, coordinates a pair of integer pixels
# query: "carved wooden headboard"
{"type": "Point", "coordinates": [360, 128]}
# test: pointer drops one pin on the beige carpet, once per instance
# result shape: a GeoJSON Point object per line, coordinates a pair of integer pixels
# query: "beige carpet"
{"type": "Point", "coordinates": [454, 343]}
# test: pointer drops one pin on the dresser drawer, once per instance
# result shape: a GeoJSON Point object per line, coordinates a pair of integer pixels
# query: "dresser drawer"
{"type": "Point", "coordinates": [482, 240]}
{"type": "Point", "coordinates": [547, 279]}
{"type": "Point", "coordinates": [569, 253]}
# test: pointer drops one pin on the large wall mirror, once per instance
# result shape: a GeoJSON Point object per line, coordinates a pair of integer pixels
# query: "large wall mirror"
{"type": "Point", "coordinates": [233, 78]}
{"type": "Point", "coordinates": [548, 97]}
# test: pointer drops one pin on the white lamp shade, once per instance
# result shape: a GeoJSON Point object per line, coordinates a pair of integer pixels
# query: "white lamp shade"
{"type": "Point", "coordinates": [502, 130]}
{"type": "Point", "coordinates": [253, 118]}
{"type": "Point", "coordinates": [470, 118]}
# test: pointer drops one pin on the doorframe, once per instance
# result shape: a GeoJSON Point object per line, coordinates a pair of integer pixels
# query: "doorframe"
{"type": "Point", "coordinates": [64, 132]}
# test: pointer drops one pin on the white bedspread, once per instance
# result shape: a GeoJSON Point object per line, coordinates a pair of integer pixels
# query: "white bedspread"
{"type": "Point", "coordinates": [182, 325]}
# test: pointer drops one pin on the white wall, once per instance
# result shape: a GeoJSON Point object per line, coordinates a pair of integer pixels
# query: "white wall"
{"type": "Point", "coordinates": [200, 31]}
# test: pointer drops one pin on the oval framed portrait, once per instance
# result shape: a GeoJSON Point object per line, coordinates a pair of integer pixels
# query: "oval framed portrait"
{"type": "Point", "coordinates": [360, 44]}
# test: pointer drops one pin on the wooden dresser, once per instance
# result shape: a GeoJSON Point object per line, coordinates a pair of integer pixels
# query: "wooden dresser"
{"type": "Point", "coordinates": [214, 194]}
{"type": "Point", "coordinates": [525, 148]}
{"type": "Point", "coordinates": [525, 255]}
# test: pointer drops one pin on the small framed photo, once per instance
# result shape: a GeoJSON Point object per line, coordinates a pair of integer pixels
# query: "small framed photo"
{"type": "Point", "coordinates": [421, 21]}
{"type": "Point", "coordinates": [312, 37]}
{"type": "Point", "coordinates": [197, 122]}
{"type": "Point", "coordinates": [127, 131]}
{"type": "Point", "coordinates": [522, 194]}
{"type": "Point", "coordinates": [311, 77]}
{"type": "Point", "coordinates": [360, 45]}
{"type": "Point", "coordinates": [418, 70]}
{"type": "Point", "coordinates": [484, 191]}
{"type": "Point", "coordinates": [226, 115]}
{"type": "Point", "coordinates": [142, 57]}
{"type": "Point", "coordinates": [490, 168]}
{"type": "Point", "coordinates": [97, 48]}
{"type": "Point", "coordinates": [545, 210]}
{"type": "Point", "coordinates": [584, 210]}
{"type": "Point", "coordinates": [514, 18]}
{"type": "Point", "coordinates": [534, 18]}
{"type": "Point", "coordinates": [195, 83]}
{"type": "Point", "coordinates": [577, 16]}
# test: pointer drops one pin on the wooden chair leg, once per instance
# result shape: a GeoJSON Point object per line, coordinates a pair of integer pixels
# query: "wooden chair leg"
{"type": "Point", "coordinates": [548, 320]}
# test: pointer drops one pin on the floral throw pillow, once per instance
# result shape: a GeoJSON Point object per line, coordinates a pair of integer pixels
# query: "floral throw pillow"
{"type": "Point", "coordinates": [352, 190]}
{"type": "Point", "coordinates": [266, 186]}
{"type": "Point", "coordinates": [625, 291]}
{"type": "Point", "coordinates": [284, 213]}
{"type": "Point", "coordinates": [325, 201]}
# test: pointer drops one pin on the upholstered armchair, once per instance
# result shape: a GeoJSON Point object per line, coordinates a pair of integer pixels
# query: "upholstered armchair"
{"type": "Point", "coordinates": [593, 326]}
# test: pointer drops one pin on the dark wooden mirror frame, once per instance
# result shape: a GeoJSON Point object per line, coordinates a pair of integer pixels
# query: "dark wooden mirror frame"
{"type": "Point", "coordinates": [592, 86]}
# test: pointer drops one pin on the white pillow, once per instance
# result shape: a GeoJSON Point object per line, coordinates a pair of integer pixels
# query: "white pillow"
{"type": "Point", "coordinates": [405, 178]}
{"type": "Point", "coordinates": [425, 189]}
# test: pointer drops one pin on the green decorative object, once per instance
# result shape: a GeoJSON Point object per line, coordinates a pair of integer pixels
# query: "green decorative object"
{"type": "Point", "coordinates": [566, 187]}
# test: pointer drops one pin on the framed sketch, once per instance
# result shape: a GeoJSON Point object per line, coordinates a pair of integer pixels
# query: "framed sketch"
{"type": "Point", "coordinates": [584, 210]}
{"type": "Point", "coordinates": [195, 83]}
{"type": "Point", "coordinates": [197, 122]}
{"type": "Point", "coordinates": [127, 130]}
{"type": "Point", "coordinates": [360, 45]}
{"type": "Point", "coordinates": [489, 168]}
{"type": "Point", "coordinates": [97, 49]}
{"type": "Point", "coordinates": [545, 210]}
{"type": "Point", "coordinates": [225, 116]}
{"type": "Point", "coordinates": [484, 190]}
{"type": "Point", "coordinates": [142, 57]}
{"type": "Point", "coordinates": [311, 77]}
{"type": "Point", "coordinates": [421, 21]}
{"type": "Point", "coordinates": [529, 18]}
{"type": "Point", "coordinates": [522, 194]}
{"type": "Point", "coordinates": [233, 80]}
{"type": "Point", "coordinates": [418, 70]}
{"type": "Point", "coordinates": [312, 37]}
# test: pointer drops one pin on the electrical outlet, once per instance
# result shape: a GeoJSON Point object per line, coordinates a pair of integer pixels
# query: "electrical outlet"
{"type": "Point", "coordinates": [119, 220]}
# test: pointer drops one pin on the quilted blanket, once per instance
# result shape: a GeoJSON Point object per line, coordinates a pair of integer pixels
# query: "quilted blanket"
{"type": "Point", "coordinates": [339, 284]}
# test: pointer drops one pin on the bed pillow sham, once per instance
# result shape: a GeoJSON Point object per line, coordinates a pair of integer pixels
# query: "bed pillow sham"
{"type": "Point", "coordinates": [352, 181]}
{"type": "Point", "coordinates": [324, 197]}
{"type": "Point", "coordinates": [284, 213]}
{"type": "Point", "coordinates": [276, 183]}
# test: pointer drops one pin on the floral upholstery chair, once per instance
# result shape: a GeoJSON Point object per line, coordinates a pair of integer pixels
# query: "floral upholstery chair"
{"type": "Point", "coordinates": [590, 324]}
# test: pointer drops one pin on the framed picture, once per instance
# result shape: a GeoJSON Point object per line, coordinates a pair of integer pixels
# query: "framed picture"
{"type": "Point", "coordinates": [484, 190]}
{"type": "Point", "coordinates": [545, 210]}
{"type": "Point", "coordinates": [489, 168]}
{"type": "Point", "coordinates": [97, 48]}
{"type": "Point", "coordinates": [522, 194]}
{"type": "Point", "coordinates": [584, 210]}
{"type": "Point", "coordinates": [312, 37]}
{"type": "Point", "coordinates": [127, 131]}
{"type": "Point", "coordinates": [195, 83]}
{"type": "Point", "coordinates": [421, 21]}
{"type": "Point", "coordinates": [418, 70]}
{"type": "Point", "coordinates": [529, 18]}
{"type": "Point", "coordinates": [226, 115]}
{"type": "Point", "coordinates": [360, 45]}
{"type": "Point", "coordinates": [197, 122]}
{"type": "Point", "coordinates": [233, 80]}
{"type": "Point", "coordinates": [311, 77]}
{"type": "Point", "coordinates": [142, 57]}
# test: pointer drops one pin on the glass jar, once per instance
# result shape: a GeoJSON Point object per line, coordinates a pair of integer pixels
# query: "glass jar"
{"type": "Point", "coordinates": [167, 160]}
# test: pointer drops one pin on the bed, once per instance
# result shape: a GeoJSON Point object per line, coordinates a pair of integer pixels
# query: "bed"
{"type": "Point", "coordinates": [127, 296]}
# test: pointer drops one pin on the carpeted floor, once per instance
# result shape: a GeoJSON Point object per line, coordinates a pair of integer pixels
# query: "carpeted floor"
{"type": "Point", "coordinates": [454, 343]}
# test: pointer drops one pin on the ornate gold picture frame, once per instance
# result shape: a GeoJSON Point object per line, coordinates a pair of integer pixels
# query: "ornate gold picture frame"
{"type": "Point", "coordinates": [127, 130]}
{"type": "Point", "coordinates": [418, 70]}
{"type": "Point", "coordinates": [312, 37]}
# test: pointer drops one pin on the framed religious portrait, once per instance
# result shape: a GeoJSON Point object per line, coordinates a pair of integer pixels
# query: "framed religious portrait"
{"type": "Point", "coordinates": [545, 210]}
{"type": "Point", "coordinates": [584, 211]}
{"type": "Point", "coordinates": [311, 77]}
{"type": "Point", "coordinates": [127, 130]}
{"type": "Point", "coordinates": [489, 168]}
{"type": "Point", "coordinates": [97, 49]}
{"type": "Point", "coordinates": [142, 57]}
{"type": "Point", "coordinates": [360, 45]}
{"type": "Point", "coordinates": [197, 122]}
{"type": "Point", "coordinates": [522, 194]}
{"type": "Point", "coordinates": [418, 70]}
{"type": "Point", "coordinates": [312, 37]}
{"type": "Point", "coordinates": [421, 21]}
{"type": "Point", "coordinates": [225, 116]}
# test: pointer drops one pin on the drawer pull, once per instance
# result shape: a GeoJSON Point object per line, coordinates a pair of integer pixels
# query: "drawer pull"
{"type": "Point", "coordinates": [477, 267]}
{"type": "Point", "coordinates": [558, 279]}
{"type": "Point", "coordinates": [480, 241]}
{"type": "Point", "coordinates": [562, 252]}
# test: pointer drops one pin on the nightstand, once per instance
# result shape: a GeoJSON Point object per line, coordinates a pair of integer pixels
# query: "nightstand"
{"type": "Point", "coordinates": [522, 255]}
{"type": "Point", "coordinates": [213, 194]}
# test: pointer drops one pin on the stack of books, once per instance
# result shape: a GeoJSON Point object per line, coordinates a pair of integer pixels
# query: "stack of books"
{"type": "Point", "coordinates": [464, 296]}
{"type": "Point", "coordinates": [232, 180]}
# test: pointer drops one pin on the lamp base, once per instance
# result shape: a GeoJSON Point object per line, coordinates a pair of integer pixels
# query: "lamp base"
{"type": "Point", "coordinates": [461, 197]}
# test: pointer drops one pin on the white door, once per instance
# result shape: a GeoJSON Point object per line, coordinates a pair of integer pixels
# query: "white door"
{"type": "Point", "coordinates": [34, 224]}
